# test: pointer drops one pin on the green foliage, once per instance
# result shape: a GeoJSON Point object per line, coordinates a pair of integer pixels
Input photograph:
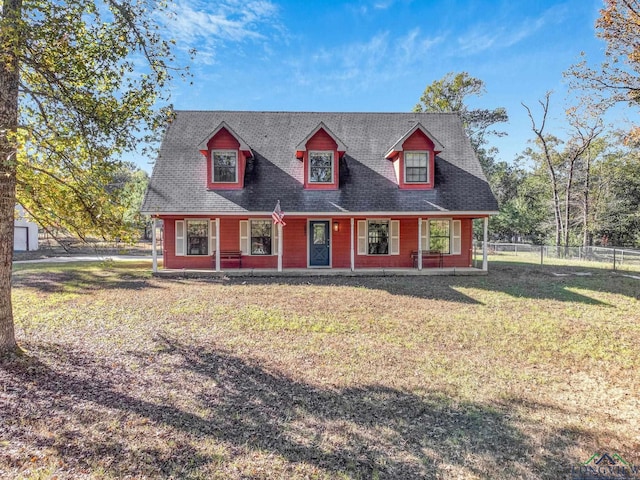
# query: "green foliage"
{"type": "Point", "coordinates": [616, 189]}
{"type": "Point", "coordinates": [617, 79]}
{"type": "Point", "coordinates": [524, 200]}
{"type": "Point", "coordinates": [92, 76]}
{"type": "Point", "coordinates": [450, 94]}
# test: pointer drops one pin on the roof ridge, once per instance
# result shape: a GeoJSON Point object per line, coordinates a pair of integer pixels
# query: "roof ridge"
{"type": "Point", "coordinates": [314, 112]}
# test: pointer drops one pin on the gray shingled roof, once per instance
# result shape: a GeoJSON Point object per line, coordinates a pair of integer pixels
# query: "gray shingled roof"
{"type": "Point", "coordinates": [367, 179]}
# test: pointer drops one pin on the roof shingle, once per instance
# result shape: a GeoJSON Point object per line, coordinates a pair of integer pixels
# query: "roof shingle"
{"type": "Point", "coordinates": [367, 180]}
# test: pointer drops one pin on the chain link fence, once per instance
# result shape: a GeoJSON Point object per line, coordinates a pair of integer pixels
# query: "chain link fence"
{"type": "Point", "coordinates": [599, 257]}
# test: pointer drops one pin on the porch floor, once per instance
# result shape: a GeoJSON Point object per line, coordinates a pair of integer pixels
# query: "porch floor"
{"type": "Point", "coordinates": [321, 272]}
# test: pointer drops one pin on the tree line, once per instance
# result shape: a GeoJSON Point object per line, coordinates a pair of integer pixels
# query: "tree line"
{"type": "Point", "coordinates": [578, 185]}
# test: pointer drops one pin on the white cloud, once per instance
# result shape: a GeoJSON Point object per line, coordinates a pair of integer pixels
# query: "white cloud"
{"type": "Point", "coordinates": [206, 26]}
{"type": "Point", "coordinates": [488, 36]}
{"type": "Point", "coordinates": [382, 4]}
{"type": "Point", "coordinates": [361, 64]}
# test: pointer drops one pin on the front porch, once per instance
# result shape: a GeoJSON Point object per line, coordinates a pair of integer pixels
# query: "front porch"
{"type": "Point", "coordinates": [320, 272]}
{"type": "Point", "coordinates": [344, 245]}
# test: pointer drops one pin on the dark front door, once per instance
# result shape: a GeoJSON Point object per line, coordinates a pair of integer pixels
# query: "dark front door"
{"type": "Point", "coordinates": [319, 243]}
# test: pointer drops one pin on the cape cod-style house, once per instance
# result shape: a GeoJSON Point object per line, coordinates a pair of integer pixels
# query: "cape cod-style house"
{"type": "Point", "coordinates": [358, 191]}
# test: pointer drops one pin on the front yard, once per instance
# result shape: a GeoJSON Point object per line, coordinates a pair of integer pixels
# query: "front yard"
{"type": "Point", "coordinates": [521, 374]}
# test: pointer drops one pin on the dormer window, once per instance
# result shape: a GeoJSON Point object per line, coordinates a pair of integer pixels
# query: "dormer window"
{"type": "Point", "coordinates": [416, 167]}
{"type": "Point", "coordinates": [321, 166]}
{"type": "Point", "coordinates": [413, 156]}
{"type": "Point", "coordinates": [226, 153]}
{"type": "Point", "coordinates": [225, 166]}
{"type": "Point", "coordinates": [319, 152]}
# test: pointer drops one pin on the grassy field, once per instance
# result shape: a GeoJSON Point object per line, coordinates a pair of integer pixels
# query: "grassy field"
{"type": "Point", "coordinates": [520, 374]}
{"type": "Point", "coordinates": [628, 264]}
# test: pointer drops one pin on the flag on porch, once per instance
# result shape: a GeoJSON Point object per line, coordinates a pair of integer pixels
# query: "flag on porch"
{"type": "Point", "coordinates": [278, 215]}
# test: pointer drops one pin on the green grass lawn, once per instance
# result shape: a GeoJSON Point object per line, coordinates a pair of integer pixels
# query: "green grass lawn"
{"type": "Point", "coordinates": [629, 264]}
{"type": "Point", "coordinates": [519, 374]}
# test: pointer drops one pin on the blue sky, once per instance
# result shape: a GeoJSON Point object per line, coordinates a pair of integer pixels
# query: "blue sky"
{"type": "Point", "coordinates": [379, 55]}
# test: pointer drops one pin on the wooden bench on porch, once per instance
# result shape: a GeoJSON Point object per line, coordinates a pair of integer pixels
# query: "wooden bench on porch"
{"type": "Point", "coordinates": [426, 256]}
{"type": "Point", "coordinates": [227, 256]}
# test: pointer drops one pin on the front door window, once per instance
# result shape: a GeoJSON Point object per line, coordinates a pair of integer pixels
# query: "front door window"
{"type": "Point", "coordinates": [319, 243]}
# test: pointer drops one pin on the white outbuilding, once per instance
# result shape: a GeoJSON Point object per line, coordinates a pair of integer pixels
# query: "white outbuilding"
{"type": "Point", "coordinates": [25, 236]}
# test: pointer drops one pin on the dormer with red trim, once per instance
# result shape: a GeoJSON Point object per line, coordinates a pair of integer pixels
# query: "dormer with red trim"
{"type": "Point", "coordinates": [413, 158]}
{"type": "Point", "coordinates": [320, 153]}
{"type": "Point", "coordinates": [226, 155]}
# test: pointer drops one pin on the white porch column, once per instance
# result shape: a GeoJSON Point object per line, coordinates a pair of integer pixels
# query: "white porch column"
{"type": "Point", "coordinates": [485, 262]}
{"type": "Point", "coordinates": [154, 247]}
{"type": "Point", "coordinates": [420, 244]}
{"type": "Point", "coordinates": [352, 248]}
{"type": "Point", "coordinates": [217, 244]}
{"type": "Point", "coordinates": [280, 247]}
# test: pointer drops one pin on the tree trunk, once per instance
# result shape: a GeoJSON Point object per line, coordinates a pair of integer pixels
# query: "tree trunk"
{"type": "Point", "coordinates": [556, 205]}
{"type": "Point", "coordinates": [567, 207]}
{"type": "Point", "coordinates": [586, 237]}
{"type": "Point", "coordinates": [557, 211]}
{"type": "Point", "coordinates": [9, 81]}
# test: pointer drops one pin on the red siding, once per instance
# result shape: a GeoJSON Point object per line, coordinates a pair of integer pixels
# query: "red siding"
{"type": "Point", "coordinates": [295, 246]}
{"type": "Point", "coordinates": [408, 243]}
{"type": "Point", "coordinates": [340, 244]}
{"type": "Point", "coordinates": [169, 254]}
{"type": "Point", "coordinates": [223, 140]}
{"type": "Point", "coordinates": [294, 254]}
{"type": "Point", "coordinates": [321, 141]}
{"type": "Point", "coordinates": [418, 141]}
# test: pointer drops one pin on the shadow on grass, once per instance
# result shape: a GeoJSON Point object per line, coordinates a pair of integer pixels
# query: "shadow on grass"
{"type": "Point", "coordinates": [515, 281]}
{"type": "Point", "coordinates": [83, 278]}
{"type": "Point", "coordinates": [359, 432]}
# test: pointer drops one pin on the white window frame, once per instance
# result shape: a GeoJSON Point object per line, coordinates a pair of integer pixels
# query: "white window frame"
{"type": "Point", "coordinates": [426, 152]}
{"type": "Point", "coordinates": [213, 166]}
{"type": "Point", "coordinates": [363, 237]}
{"type": "Point", "coordinates": [333, 166]}
{"type": "Point", "coordinates": [186, 237]}
{"type": "Point", "coordinates": [245, 237]}
{"type": "Point", "coordinates": [455, 235]}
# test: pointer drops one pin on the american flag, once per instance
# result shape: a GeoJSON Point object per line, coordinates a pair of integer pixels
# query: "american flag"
{"type": "Point", "coordinates": [278, 215]}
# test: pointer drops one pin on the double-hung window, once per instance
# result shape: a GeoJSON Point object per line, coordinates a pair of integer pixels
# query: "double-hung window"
{"type": "Point", "coordinates": [261, 233]}
{"type": "Point", "coordinates": [258, 237]}
{"type": "Point", "coordinates": [197, 237]}
{"type": "Point", "coordinates": [440, 236]}
{"type": "Point", "coordinates": [416, 167]}
{"type": "Point", "coordinates": [225, 166]}
{"type": "Point", "coordinates": [378, 237]}
{"type": "Point", "coordinates": [320, 166]}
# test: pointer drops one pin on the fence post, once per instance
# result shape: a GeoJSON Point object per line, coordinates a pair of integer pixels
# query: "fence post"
{"type": "Point", "coordinates": [541, 254]}
{"type": "Point", "coordinates": [614, 259]}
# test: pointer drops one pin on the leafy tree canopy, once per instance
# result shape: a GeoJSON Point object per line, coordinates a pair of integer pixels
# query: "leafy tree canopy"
{"type": "Point", "coordinates": [91, 76]}
{"type": "Point", "coordinates": [619, 75]}
{"type": "Point", "coordinates": [81, 82]}
{"type": "Point", "coordinates": [451, 94]}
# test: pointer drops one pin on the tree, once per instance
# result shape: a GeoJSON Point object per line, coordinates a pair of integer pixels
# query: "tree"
{"type": "Point", "coordinates": [130, 185]}
{"type": "Point", "coordinates": [548, 146]}
{"type": "Point", "coordinates": [615, 193]}
{"type": "Point", "coordinates": [619, 75]}
{"type": "Point", "coordinates": [450, 94]}
{"type": "Point", "coordinates": [585, 125]}
{"type": "Point", "coordinates": [73, 98]}
{"type": "Point", "coordinates": [523, 197]}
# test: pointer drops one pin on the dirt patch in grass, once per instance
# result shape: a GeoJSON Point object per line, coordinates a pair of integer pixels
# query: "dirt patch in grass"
{"type": "Point", "coordinates": [520, 374]}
